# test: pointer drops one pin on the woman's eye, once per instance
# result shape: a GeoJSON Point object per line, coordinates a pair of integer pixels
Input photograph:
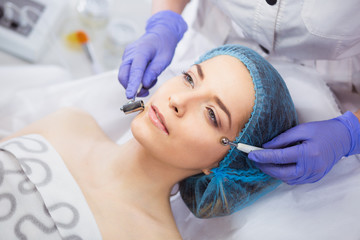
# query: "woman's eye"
{"type": "Point", "coordinates": [212, 117]}
{"type": "Point", "coordinates": [188, 79]}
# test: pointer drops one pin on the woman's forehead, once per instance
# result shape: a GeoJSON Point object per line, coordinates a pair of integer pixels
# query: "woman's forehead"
{"type": "Point", "coordinates": [226, 65]}
{"type": "Point", "coordinates": [225, 71]}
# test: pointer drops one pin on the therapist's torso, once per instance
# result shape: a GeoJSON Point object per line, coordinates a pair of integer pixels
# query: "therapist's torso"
{"type": "Point", "coordinates": [307, 29]}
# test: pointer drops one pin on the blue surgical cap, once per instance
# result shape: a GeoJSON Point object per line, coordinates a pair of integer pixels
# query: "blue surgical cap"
{"type": "Point", "coordinates": [236, 182]}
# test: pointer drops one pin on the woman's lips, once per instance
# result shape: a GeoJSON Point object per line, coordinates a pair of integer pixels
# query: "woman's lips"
{"type": "Point", "coordinates": [157, 119]}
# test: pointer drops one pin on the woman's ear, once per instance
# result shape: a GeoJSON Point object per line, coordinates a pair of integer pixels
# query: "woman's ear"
{"type": "Point", "coordinates": [206, 171]}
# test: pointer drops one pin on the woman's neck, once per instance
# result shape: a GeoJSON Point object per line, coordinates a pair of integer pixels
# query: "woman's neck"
{"type": "Point", "coordinates": [123, 184]}
{"type": "Point", "coordinates": [139, 178]}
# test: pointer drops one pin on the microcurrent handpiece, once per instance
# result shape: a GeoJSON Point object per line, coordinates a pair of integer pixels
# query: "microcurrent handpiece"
{"type": "Point", "coordinates": [132, 105]}
{"type": "Point", "coordinates": [240, 146]}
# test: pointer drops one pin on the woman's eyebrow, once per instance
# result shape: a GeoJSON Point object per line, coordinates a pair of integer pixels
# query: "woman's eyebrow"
{"type": "Point", "coordinates": [199, 70]}
{"type": "Point", "coordinates": [224, 108]}
{"type": "Point", "coordinates": [217, 99]}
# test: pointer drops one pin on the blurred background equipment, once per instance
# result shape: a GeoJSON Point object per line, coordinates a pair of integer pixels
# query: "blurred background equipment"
{"type": "Point", "coordinates": [35, 32]}
{"type": "Point", "coordinates": [26, 26]}
{"type": "Point", "coordinates": [95, 13]}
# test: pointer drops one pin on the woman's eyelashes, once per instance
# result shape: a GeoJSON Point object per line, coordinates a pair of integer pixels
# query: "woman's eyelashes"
{"type": "Point", "coordinates": [188, 79]}
{"type": "Point", "coordinates": [212, 117]}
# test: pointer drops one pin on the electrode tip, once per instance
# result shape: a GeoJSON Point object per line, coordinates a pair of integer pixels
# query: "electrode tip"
{"type": "Point", "coordinates": [224, 141]}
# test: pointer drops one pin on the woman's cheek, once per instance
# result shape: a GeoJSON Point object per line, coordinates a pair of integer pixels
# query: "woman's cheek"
{"type": "Point", "coordinates": [207, 148]}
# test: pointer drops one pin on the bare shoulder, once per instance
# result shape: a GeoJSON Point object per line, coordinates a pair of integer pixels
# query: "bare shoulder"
{"type": "Point", "coordinates": [72, 121]}
{"type": "Point", "coordinates": [64, 123]}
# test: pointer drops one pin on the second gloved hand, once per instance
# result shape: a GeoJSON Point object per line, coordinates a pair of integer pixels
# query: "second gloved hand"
{"type": "Point", "coordinates": [147, 57]}
{"type": "Point", "coordinates": [322, 144]}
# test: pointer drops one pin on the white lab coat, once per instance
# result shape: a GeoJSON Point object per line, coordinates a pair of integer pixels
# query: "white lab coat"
{"type": "Point", "coordinates": [307, 29]}
{"type": "Point", "coordinates": [320, 34]}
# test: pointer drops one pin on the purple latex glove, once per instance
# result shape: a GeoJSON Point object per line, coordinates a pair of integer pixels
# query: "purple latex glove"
{"type": "Point", "coordinates": [322, 144]}
{"type": "Point", "coordinates": [147, 57]}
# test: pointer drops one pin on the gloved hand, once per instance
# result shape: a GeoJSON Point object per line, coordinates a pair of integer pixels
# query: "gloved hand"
{"type": "Point", "coordinates": [322, 144]}
{"type": "Point", "coordinates": [147, 57]}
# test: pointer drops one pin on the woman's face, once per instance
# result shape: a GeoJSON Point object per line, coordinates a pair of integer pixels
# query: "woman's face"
{"type": "Point", "coordinates": [184, 120]}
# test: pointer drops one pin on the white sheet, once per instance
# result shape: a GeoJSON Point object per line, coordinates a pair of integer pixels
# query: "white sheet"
{"type": "Point", "coordinates": [328, 209]}
{"type": "Point", "coordinates": [14, 78]}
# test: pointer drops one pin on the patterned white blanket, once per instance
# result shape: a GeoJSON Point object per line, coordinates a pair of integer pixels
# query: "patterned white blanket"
{"type": "Point", "coordinates": [39, 198]}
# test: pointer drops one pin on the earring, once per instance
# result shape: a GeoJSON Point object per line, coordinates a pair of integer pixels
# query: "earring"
{"type": "Point", "coordinates": [206, 171]}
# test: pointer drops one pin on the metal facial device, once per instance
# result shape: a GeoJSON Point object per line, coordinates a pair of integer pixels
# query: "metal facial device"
{"type": "Point", "coordinates": [240, 146]}
{"type": "Point", "coordinates": [132, 105]}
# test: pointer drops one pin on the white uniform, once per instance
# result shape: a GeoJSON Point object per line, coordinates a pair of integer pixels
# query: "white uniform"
{"type": "Point", "coordinates": [320, 34]}
{"type": "Point", "coordinates": [307, 29]}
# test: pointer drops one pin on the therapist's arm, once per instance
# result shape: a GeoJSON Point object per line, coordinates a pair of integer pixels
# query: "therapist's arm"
{"type": "Point", "coordinates": [173, 5]}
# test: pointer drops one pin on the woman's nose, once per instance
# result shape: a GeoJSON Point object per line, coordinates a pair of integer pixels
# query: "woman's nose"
{"type": "Point", "coordinates": [180, 102]}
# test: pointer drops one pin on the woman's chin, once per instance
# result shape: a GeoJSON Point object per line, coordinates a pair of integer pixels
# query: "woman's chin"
{"type": "Point", "coordinates": [137, 129]}
{"type": "Point", "coordinates": [142, 131]}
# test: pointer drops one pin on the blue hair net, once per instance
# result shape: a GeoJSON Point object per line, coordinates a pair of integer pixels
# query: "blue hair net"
{"type": "Point", "coordinates": [236, 182]}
